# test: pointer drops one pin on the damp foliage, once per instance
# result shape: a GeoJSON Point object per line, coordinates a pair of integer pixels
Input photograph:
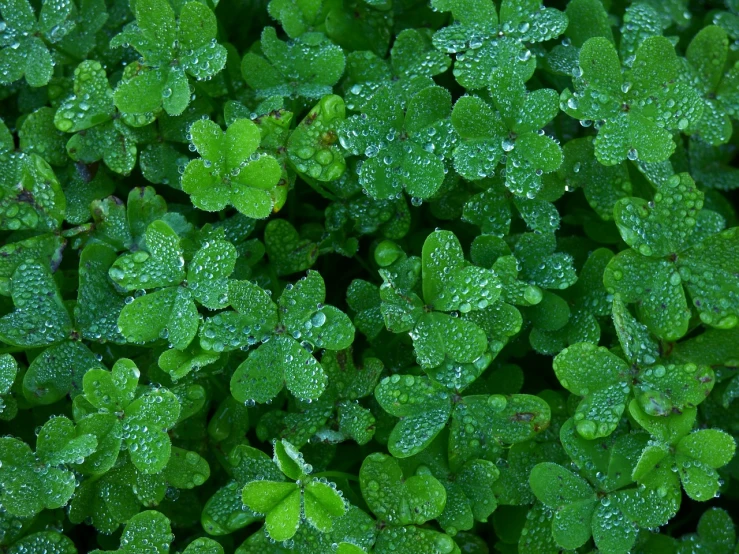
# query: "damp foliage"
{"type": "Point", "coordinates": [369, 276]}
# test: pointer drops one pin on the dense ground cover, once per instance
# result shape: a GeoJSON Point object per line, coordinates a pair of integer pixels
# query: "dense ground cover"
{"type": "Point", "coordinates": [368, 276]}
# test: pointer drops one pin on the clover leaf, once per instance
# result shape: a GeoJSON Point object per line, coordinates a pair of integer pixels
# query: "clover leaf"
{"type": "Point", "coordinates": [414, 540]}
{"type": "Point", "coordinates": [230, 171]}
{"type": "Point", "coordinates": [40, 318]}
{"type": "Point", "coordinates": [58, 371]}
{"type": "Point", "coordinates": [32, 198]}
{"type": "Point", "coordinates": [39, 136]}
{"type": "Point", "coordinates": [337, 415]}
{"type": "Point", "coordinates": [605, 381]}
{"type": "Point", "coordinates": [284, 502]}
{"type": "Point", "coordinates": [405, 145]}
{"type": "Point", "coordinates": [98, 303]}
{"type": "Point", "coordinates": [469, 491]}
{"type": "Point", "coordinates": [513, 132]}
{"type": "Point", "coordinates": [413, 62]}
{"type": "Point", "coordinates": [610, 509]}
{"type": "Point", "coordinates": [541, 265]}
{"type": "Point", "coordinates": [695, 455]}
{"type": "Point", "coordinates": [313, 148]}
{"type": "Point", "coordinates": [45, 247]}
{"type": "Point", "coordinates": [424, 410]}
{"type": "Point", "coordinates": [706, 58]}
{"type": "Point", "coordinates": [637, 108]}
{"type": "Point", "coordinates": [148, 531]}
{"type": "Point", "coordinates": [352, 533]}
{"type": "Point", "coordinates": [479, 423]}
{"type": "Point", "coordinates": [51, 542]}
{"type": "Point", "coordinates": [398, 500]}
{"type": "Point", "coordinates": [449, 285]}
{"type": "Point", "coordinates": [222, 513]}
{"type": "Point", "coordinates": [144, 419]}
{"type": "Point", "coordinates": [25, 38]}
{"type": "Point", "coordinates": [307, 67]}
{"type": "Point", "coordinates": [583, 303]}
{"type": "Point", "coordinates": [171, 312]}
{"type": "Point", "coordinates": [172, 50]}
{"type": "Point", "coordinates": [33, 482]}
{"type": "Point", "coordinates": [715, 532]}
{"type": "Point", "coordinates": [123, 225]}
{"type": "Point", "coordinates": [90, 112]}
{"type": "Point", "coordinates": [281, 360]}
{"type": "Point", "coordinates": [668, 255]}
{"type": "Point", "coordinates": [484, 39]}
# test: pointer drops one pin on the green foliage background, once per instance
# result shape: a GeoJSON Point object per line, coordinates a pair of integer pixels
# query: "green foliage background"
{"type": "Point", "coordinates": [369, 276]}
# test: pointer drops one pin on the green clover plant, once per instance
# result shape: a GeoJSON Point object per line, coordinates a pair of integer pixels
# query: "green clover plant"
{"type": "Point", "coordinates": [369, 276]}
{"type": "Point", "coordinates": [635, 109]}
{"type": "Point", "coordinates": [288, 331]}
{"type": "Point", "coordinates": [284, 503]}
{"type": "Point", "coordinates": [172, 50]}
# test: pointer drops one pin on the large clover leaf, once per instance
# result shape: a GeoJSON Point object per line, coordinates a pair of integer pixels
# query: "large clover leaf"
{"type": "Point", "coordinates": [144, 420]}
{"type": "Point", "coordinates": [513, 132]}
{"type": "Point", "coordinates": [170, 312]}
{"type": "Point", "coordinates": [637, 107]}
{"type": "Point", "coordinates": [449, 285]}
{"type": "Point", "coordinates": [696, 455]}
{"type": "Point", "coordinates": [285, 503]}
{"type": "Point", "coordinates": [610, 508]}
{"type": "Point", "coordinates": [605, 381]}
{"type": "Point", "coordinates": [32, 482]}
{"type": "Point", "coordinates": [670, 253]}
{"type": "Point", "coordinates": [405, 144]}
{"type": "Point", "coordinates": [171, 50]}
{"type": "Point", "coordinates": [287, 329]}
{"type": "Point", "coordinates": [230, 171]}
{"type": "Point", "coordinates": [484, 41]}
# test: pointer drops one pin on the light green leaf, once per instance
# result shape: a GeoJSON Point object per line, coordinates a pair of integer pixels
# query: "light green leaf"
{"type": "Point", "coordinates": [322, 505]}
{"type": "Point", "coordinates": [281, 504]}
{"type": "Point", "coordinates": [713, 447]}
